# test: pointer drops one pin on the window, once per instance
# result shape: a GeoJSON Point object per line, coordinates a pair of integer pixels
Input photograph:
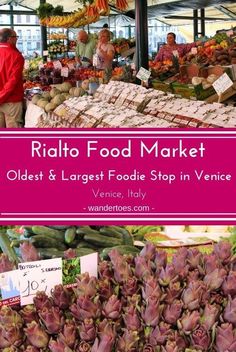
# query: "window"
{"type": "Point", "coordinates": [19, 33]}
{"type": "Point", "coordinates": [27, 17]}
{"type": "Point", "coordinates": [28, 34]}
{"type": "Point", "coordinates": [19, 19]}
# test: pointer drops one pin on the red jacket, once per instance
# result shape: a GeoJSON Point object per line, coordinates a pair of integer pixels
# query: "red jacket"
{"type": "Point", "coordinates": [11, 70]}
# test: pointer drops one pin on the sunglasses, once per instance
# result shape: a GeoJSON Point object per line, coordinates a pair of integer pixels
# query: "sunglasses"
{"type": "Point", "coordinates": [14, 36]}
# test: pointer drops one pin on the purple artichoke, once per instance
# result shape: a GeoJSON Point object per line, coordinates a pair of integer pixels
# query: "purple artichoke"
{"type": "Point", "coordinates": [69, 334]}
{"type": "Point", "coordinates": [173, 312]}
{"type": "Point", "coordinates": [85, 308]}
{"type": "Point", "coordinates": [112, 308]}
{"type": "Point", "coordinates": [52, 319]}
{"type": "Point", "coordinates": [194, 258]}
{"type": "Point", "coordinates": [160, 260]}
{"type": "Point", "coordinates": [29, 314]}
{"type": "Point", "coordinates": [211, 263]}
{"type": "Point", "coordinates": [189, 322]}
{"type": "Point", "coordinates": [5, 263]}
{"type": "Point", "coordinates": [148, 348]}
{"type": "Point", "coordinates": [127, 342]}
{"type": "Point", "coordinates": [130, 287]}
{"type": "Point", "coordinates": [83, 347]}
{"type": "Point", "coordinates": [105, 289]}
{"type": "Point", "coordinates": [173, 291]}
{"type": "Point", "coordinates": [105, 270]}
{"type": "Point", "coordinates": [179, 262]}
{"type": "Point", "coordinates": [87, 330]}
{"type": "Point", "coordinates": [131, 319]}
{"type": "Point", "coordinates": [225, 338]}
{"type": "Point", "coordinates": [230, 311]}
{"type": "Point", "coordinates": [143, 269]}
{"type": "Point", "coordinates": [28, 252]}
{"type": "Point", "coordinates": [9, 336]}
{"type": "Point", "coordinates": [151, 313]}
{"type": "Point", "coordinates": [167, 275]}
{"type": "Point", "coordinates": [10, 317]}
{"type": "Point", "coordinates": [229, 285]}
{"type": "Point", "coordinates": [70, 253]}
{"type": "Point", "coordinates": [151, 288]}
{"type": "Point", "coordinates": [61, 297]}
{"type": "Point", "coordinates": [148, 251]}
{"type": "Point", "coordinates": [210, 316]}
{"type": "Point", "coordinates": [193, 294]}
{"type": "Point", "coordinates": [122, 270]}
{"type": "Point", "coordinates": [170, 346]}
{"type": "Point", "coordinates": [31, 349]}
{"type": "Point", "coordinates": [160, 334]}
{"type": "Point", "coordinates": [86, 286]}
{"type": "Point", "coordinates": [58, 346]}
{"type": "Point", "coordinates": [215, 279]}
{"type": "Point", "coordinates": [106, 339]}
{"type": "Point", "coordinates": [223, 251]}
{"type": "Point", "coordinates": [41, 300]}
{"type": "Point", "coordinates": [201, 339]}
{"type": "Point", "coordinates": [36, 335]}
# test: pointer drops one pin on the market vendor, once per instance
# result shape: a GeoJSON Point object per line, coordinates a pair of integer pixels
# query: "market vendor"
{"type": "Point", "coordinates": [11, 80]}
{"type": "Point", "coordinates": [85, 49]}
{"type": "Point", "coordinates": [171, 49]}
{"type": "Point", "coordinates": [105, 50]}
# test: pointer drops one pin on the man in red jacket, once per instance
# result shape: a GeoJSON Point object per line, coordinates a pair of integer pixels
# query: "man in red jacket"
{"type": "Point", "coordinates": [11, 80]}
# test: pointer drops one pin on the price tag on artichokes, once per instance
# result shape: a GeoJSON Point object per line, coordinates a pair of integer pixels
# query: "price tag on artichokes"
{"type": "Point", "coordinates": [64, 72]}
{"type": "Point", "coordinates": [222, 84]}
{"type": "Point", "coordinates": [40, 275]}
{"type": "Point", "coordinates": [143, 74]}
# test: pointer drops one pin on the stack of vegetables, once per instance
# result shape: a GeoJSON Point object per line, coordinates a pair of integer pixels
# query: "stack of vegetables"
{"type": "Point", "coordinates": [52, 242]}
{"type": "Point", "coordinates": [137, 304]}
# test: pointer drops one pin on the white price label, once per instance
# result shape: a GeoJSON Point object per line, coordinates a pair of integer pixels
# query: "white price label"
{"type": "Point", "coordinates": [143, 74]}
{"type": "Point", "coordinates": [45, 53]}
{"type": "Point", "coordinates": [65, 72]}
{"type": "Point", "coordinates": [71, 66]}
{"type": "Point", "coordinates": [175, 53]}
{"type": "Point", "coordinates": [95, 60]}
{"type": "Point", "coordinates": [222, 84]}
{"type": "Point", "coordinates": [194, 51]}
{"type": "Point", "coordinates": [41, 275]}
{"type": "Point", "coordinates": [57, 64]}
{"type": "Point", "coordinates": [89, 264]}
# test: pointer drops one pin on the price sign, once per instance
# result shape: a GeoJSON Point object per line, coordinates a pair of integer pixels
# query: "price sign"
{"type": "Point", "coordinates": [89, 264]}
{"type": "Point", "coordinates": [222, 84]}
{"type": "Point", "coordinates": [65, 72]}
{"type": "Point", "coordinates": [143, 74]}
{"type": "Point", "coordinates": [175, 53]}
{"type": "Point", "coordinates": [95, 60]}
{"type": "Point", "coordinates": [194, 51]}
{"type": "Point", "coordinates": [57, 64]}
{"type": "Point", "coordinates": [41, 275]}
{"type": "Point", "coordinates": [10, 284]}
{"type": "Point", "coordinates": [71, 66]}
{"type": "Point", "coordinates": [45, 53]}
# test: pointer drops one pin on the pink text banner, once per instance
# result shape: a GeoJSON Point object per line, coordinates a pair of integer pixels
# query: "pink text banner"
{"type": "Point", "coordinates": [118, 176]}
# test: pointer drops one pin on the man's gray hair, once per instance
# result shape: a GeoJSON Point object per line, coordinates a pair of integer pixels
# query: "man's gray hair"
{"type": "Point", "coordinates": [5, 33]}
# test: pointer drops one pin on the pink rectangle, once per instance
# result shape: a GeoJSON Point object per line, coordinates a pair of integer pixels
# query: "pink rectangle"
{"type": "Point", "coordinates": [117, 176]}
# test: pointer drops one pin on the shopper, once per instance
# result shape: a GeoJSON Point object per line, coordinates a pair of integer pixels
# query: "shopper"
{"type": "Point", "coordinates": [171, 49]}
{"type": "Point", "coordinates": [105, 50]}
{"type": "Point", "coordinates": [85, 49]}
{"type": "Point", "coordinates": [11, 80]}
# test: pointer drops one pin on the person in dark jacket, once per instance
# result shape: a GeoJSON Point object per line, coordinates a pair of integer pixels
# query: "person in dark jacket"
{"type": "Point", "coordinates": [11, 80]}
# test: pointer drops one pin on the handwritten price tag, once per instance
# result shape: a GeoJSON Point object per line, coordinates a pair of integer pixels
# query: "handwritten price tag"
{"type": "Point", "coordinates": [41, 275]}
{"type": "Point", "coordinates": [65, 72]}
{"type": "Point", "coordinates": [143, 74]}
{"type": "Point", "coordinates": [222, 84]}
{"type": "Point", "coordinates": [57, 64]}
{"type": "Point", "coordinates": [71, 66]}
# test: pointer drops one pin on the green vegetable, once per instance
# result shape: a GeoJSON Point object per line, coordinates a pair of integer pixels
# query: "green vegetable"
{"type": "Point", "coordinates": [124, 249]}
{"type": "Point", "coordinates": [47, 231]}
{"type": "Point", "coordinates": [5, 246]}
{"type": "Point", "coordinates": [47, 242]}
{"type": "Point", "coordinates": [102, 240]}
{"type": "Point", "coordinates": [70, 234]}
